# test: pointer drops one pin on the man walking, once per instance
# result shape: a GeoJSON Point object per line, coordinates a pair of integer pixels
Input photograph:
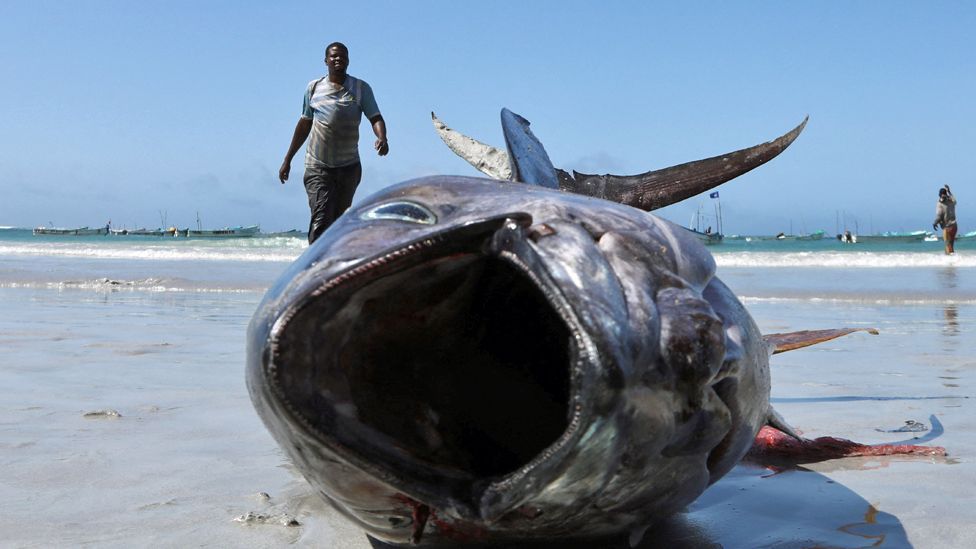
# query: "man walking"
{"type": "Point", "coordinates": [333, 108]}
{"type": "Point", "coordinates": [945, 216]}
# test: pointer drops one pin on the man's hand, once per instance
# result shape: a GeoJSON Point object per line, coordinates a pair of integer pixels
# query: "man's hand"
{"type": "Point", "coordinates": [935, 226]}
{"type": "Point", "coordinates": [283, 171]}
{"type": "Point", "coordinates": [302, 129]}
{"type": "Point", "coordinates": [379, 129]}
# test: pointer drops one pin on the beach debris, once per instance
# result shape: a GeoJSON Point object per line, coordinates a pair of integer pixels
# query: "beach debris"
{"type": "Point", "coordinates": [103, 414]}
{"type": "Point", "coordinates": [157, 504]}
{"type": "Point", "coordinates": [471, 360]}
{"type": "Point", "coordinates": [910, 426]}
{"type": "Point", "coordinates": [274, 519]}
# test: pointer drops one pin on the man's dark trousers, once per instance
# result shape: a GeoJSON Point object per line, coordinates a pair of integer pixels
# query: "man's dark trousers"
{"type": "Point", "coordinates": [330, 192]}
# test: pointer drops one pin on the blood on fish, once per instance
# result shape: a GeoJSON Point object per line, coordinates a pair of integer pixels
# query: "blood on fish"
{"type": "Point", "coordinates": [773, 443]}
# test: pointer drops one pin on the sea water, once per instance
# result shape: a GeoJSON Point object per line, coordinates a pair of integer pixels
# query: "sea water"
{"type": "Point", "coordinates": [144, 262]}
{"type": "Point", "coordinates": [768, 268]}
{"type": "Point", "coordinates": [154, 328]}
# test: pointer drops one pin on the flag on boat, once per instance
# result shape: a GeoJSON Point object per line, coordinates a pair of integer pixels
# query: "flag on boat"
{"type": "Point", "coordinates": [713, 195]}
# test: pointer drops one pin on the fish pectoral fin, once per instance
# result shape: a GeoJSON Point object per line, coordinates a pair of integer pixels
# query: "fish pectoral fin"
{"type": "Point", "coordinates": [776, 421]}
{"type": "Point", "coordinates": [773, 446]}
{"type": "Point", "coordinates": [780, 343]}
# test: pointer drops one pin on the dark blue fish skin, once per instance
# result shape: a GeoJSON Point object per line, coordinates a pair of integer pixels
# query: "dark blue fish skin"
{"type": "Point", "coordinates": [659, 384]}
{"type": "Point", "coordinates": [528, 157]}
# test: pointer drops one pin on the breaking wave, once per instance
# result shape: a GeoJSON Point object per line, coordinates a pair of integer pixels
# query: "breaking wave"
{"type": "Point", "coordinates": [152, 285]}
{"type": "Point", "coordinates": [846, 260]}
{"type": "Point", "coordinates": [247, 250]}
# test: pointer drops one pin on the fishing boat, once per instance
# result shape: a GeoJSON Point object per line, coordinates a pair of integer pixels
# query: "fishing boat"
{"type": "Point", "coordinates": [699, 220]}
{"type": "Point", "coordinates": [150, 232]}
{"type": "Point", "coordinates": [60, 231]}
{"type": "Point", "coordinates": [816, 235]}
{"type": "Point", "coordinates": [172, 231]}
{"type": "Point", "coordinates": [226, 232]}
{"type": "Point", "coordinates": [892, 237]}
{"type": "Point", "coordinates": [294, 233]}
{"type": "Point", "coordinates": [707, 238]}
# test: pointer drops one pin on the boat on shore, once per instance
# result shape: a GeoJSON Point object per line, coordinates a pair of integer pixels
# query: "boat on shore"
{"type": "Point", "coordinates": [61, 231]}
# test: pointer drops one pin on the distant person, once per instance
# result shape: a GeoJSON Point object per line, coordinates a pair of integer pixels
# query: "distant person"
{"type": "Point", "coordinates": [333, 108]}
{"type": "Point", "coordinates": [945, 217]}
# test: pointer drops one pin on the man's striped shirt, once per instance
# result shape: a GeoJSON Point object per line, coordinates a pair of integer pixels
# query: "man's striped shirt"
{"type": "Point", "coordinates": [335, 112]}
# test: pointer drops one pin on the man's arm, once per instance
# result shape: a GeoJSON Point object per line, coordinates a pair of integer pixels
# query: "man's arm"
{"type": "Point", "coordinates": [302, 129]}
{"type": "Point", "coordinates": [379, 128]}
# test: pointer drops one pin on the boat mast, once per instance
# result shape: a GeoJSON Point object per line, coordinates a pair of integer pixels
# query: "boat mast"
{"type": "Point", "coordinates": [718, 215]}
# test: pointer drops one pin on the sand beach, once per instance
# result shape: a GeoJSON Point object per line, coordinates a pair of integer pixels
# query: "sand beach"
{"type": "Point", "coordinates": [125, 420]}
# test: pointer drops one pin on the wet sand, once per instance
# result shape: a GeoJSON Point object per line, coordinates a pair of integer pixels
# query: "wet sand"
{"type": "Point", "coordinates": [186, 456]}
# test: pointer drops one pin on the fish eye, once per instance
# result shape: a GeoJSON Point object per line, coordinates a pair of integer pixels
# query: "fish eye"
{"type": "Point", "coordinates": [401, 211]}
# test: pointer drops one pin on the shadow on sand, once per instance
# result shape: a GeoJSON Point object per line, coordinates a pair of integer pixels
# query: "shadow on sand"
{"type": "Point", "coordinates": [753, 507]}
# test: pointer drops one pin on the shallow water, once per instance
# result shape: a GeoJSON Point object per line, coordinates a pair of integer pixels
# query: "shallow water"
{"type": "Point", "coordinates": [159, 338]}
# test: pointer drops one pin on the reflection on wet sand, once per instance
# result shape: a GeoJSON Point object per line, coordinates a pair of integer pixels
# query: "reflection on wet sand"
{"type": "Point", "coordinates": [948, 277]}
{"type": "Point", "coordinates": [951, 314]}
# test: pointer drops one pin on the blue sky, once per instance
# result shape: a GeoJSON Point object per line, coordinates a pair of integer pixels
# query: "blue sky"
{"type": "Point", "coordinates": [123, 110]}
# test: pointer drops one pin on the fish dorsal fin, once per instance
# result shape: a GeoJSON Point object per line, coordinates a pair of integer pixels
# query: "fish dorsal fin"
{"type": "Point", "coordinates": [488, 160]}
{"type": "Point", "coordinates": [780, 343]}
{"type": "Point", "coordinates": [528, 158]}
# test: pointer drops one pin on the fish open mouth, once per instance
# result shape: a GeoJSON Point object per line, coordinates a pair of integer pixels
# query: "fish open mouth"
{"type": "Point", "coordinates": [446, 364]}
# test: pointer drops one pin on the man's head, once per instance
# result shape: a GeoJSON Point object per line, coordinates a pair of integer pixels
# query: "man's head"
{"type": "Point", "coordinates": [337, 57]}
{"type": "Point", "coordinates": [942, 192]}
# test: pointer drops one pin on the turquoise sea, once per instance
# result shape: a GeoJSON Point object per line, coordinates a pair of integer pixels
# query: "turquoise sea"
{"type": "Point", "coordinates": [753, 266]}
{"type": "Point", "coordinates": [153, 329]}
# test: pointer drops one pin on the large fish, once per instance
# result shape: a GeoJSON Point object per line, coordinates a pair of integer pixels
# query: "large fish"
{"type": "Point", "coordinates": [467, 360]}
